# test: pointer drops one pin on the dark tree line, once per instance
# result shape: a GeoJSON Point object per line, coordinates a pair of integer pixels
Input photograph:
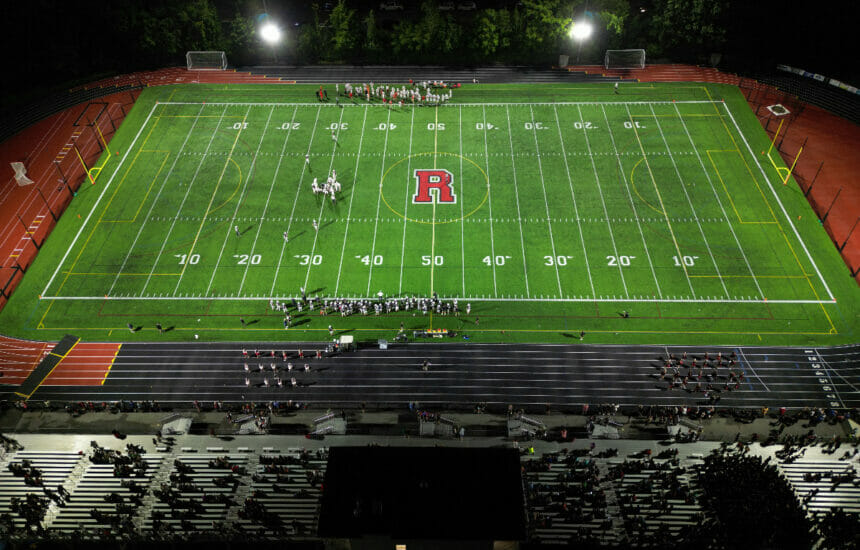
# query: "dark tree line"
{"type": "Point", "coordinates": [49, 42]}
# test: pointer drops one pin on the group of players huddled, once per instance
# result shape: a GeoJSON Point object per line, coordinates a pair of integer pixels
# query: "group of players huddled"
{"type": "Point", "coordinates": [425, 92]}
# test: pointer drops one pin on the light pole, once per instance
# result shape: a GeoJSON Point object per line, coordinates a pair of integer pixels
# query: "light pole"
{"type": "Point", "coordinates": [271, 34]}
{"type": "Point", "coordinates": [580, 31]}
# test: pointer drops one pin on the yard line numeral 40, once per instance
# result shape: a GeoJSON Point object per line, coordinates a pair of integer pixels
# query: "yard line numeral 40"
{"type": "Point", "coordinates": [498, 260]}
{"type": "Point", "coordinates": [366, 260]}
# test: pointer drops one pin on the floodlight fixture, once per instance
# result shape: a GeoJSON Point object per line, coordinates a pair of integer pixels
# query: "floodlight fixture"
{"type": "Point", "coordinates": [580, 30]}
{"type": "Point", "coordinates": [270, 33]}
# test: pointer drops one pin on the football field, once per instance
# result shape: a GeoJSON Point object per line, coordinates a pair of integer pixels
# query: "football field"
{"type": "Point", "coordinates": [550, 214]}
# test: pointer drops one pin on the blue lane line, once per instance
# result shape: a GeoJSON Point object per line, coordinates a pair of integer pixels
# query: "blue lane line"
{"type": "Point", "coordinates": [741, 363]}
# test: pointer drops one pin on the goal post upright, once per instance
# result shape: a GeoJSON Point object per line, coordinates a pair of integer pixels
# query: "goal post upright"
{"type": "Point", "coordinates": [206, 60]}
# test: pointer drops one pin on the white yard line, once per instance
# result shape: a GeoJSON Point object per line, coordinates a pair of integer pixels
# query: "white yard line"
{"type": "Point", "coordinates": [573, 197]}
{"type": "Point", "coordinates": [406, 201]}
{"type": "Point", "coordinates": [295, 200]}
{"type": "Point", "coordinates": [462, 199]}
{"type": "Point", "coordinates": [490, 205]}
{"type": "Point", "coordinates": [690, 203]}
{"type": "Point", "coordinates": [546, 203]}
{"type": "Point", "coordinates": [323, 202]}
{"type": "Point", "coordinates": [465, 298]}
{"type": "Point", "coordinates": [268, 201]}
{"type": "Point", "coordinates": [633, 205]}
{"type": "Point", "coordinates": [659, 197]}
{"type": "Point", "coordinates": [351, 198]}
{"type": "Point", "coordinates": [155, 201]}
{"type": "Point", "coordinates": [779, 202]}
{"type": "Point", "coordinates": [603, 202]}
{"type": "Point", "coordinates": [752, 370]}
{"type": "Point", "coordinates": [211, 200]}
{"type": "Point", "coordinates": [236, 210]}
{"type": "Point", "coordinates": [44, 293]}
{"type": "Point", "coordinates": [719, 202]}
{"type": "Point", "coordinates": [378, 200]}
{"type": "Point", "coordinates": [517, 195]}
{"type": "Point", "coordinates": [502, 104]}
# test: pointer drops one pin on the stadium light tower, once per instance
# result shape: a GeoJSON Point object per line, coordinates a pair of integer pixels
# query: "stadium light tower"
{"type": "Point", "coordinates": [580, 31]}
{"type": "Point", "coordinates": [271, 35]}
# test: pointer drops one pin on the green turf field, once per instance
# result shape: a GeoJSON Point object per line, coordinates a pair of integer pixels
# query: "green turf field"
{"type": "Point", "coordinates": [567, 205]}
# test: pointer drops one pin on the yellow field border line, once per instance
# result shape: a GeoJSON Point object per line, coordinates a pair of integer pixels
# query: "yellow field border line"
{"type": "Point", "coordinates": [52, 370]}
{"type": "Point", "coordinates": [781, 229]}
{"type": "Point", "coordinates": [215, 192]}
{"type": "Point", "coordinates": [119, 347]}
{"type": "Point", "coordinates": [148, 190]}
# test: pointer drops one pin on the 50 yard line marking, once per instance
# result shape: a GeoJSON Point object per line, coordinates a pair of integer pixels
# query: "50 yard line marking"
{"type": "Point", "coordinates": [86, 221]}
{"type": "Point", "coordinates": [406, 200]}
{"type": "Point", "coordinates": [438, 195]}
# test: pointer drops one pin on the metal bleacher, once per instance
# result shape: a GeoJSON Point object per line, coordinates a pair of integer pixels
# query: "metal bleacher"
{"type": "Point", "coordinates": [56, 468]}
{"type": "Point", "coordinates": [287, 485]}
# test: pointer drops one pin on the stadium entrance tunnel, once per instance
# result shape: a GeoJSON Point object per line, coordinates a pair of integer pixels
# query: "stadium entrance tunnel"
{"type": "Point", "coordinates": [434, 188]}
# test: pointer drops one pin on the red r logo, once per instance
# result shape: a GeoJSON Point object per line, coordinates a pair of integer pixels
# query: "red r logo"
{"type": "Point", "coordinates": [439, 181]}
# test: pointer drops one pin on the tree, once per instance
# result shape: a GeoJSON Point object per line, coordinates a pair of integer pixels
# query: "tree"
{"type": "Point", "coordinates": [491, 34]}
{"type": "Point", "coordinates": [343, 31]}
{"type": "Point", "coordinates": [689, 29]}
{"type": "Point", "coordinates": [372, 43]}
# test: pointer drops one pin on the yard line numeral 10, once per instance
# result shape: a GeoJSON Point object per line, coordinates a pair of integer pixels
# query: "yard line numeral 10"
{"type": "Point", "coordinates": [689, 261]}
{"type": "Point", "coordinates": [192, 260]}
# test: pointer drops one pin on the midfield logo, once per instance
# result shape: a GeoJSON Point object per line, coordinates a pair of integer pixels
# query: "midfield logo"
{"type": "Point", "coordinates": [434, 186]}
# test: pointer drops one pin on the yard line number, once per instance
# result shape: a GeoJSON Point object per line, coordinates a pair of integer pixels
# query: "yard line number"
{"type": "Point", "coordinates": [307, 259]}
{"type": "Point", "coordinates": [498, 260]}
{"type": "Point", "coordinates": [623, 261]}
{"type": "Point", "coordinates": [245, 259]}
{"type": "Point", "coordinates": [192, 260]}
{"type": "Point", "coordinates": [560, 261]}
{"type": "Point", "coordinates": [367, 260]}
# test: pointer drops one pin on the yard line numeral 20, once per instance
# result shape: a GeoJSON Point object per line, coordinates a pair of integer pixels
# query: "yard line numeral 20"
{"type": "Point", "coordinates": [244, 259]}
{"type": "Point", "coordinates": [619, 260]}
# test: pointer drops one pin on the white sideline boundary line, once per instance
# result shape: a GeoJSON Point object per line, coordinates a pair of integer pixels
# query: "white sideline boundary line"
{"type": "Point", "coordinates": [779, 202]}
{"type": "Point", "coordinates": [464, 298]}
{"type": "Point", "coordinates": [98, 201]}
{"type": "Point", "coordinates": [503, 104]}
